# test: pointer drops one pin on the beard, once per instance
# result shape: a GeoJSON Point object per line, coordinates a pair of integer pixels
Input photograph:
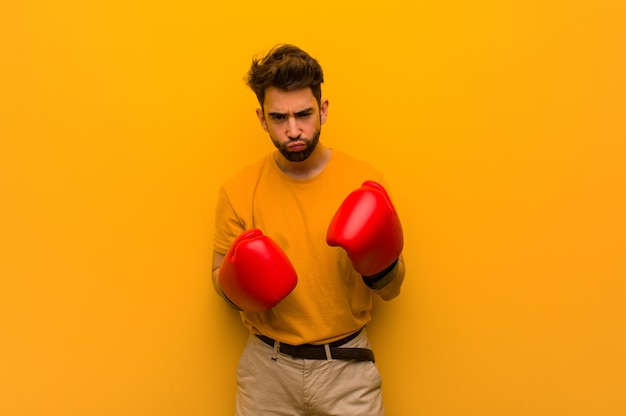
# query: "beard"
{"type": "Point", "coordinates": [302, 155]}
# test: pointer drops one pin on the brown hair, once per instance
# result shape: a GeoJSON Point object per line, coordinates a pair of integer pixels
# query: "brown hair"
{"type": "Point", "coordinates": [286, 67]}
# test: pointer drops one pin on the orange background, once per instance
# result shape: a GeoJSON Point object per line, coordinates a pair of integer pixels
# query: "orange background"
{"type": "Point", "coordinates": [500, 127]}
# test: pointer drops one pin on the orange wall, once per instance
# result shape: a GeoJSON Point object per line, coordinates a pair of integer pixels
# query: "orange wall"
{"type": "Point", "coordinates": [501, 129]}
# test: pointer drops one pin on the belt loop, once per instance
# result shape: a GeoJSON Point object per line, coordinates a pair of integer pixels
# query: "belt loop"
{"type": "Point", "coordinates": [329, 356]}
{"type": "Point", "coordinates": [276, 349]}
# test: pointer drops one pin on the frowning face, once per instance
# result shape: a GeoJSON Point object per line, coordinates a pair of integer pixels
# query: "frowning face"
{"type": "Point", "coordinates": [293, 119]}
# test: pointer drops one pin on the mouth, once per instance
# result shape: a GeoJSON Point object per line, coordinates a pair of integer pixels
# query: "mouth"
{"type": "Point", "coordinates": [296, 146]}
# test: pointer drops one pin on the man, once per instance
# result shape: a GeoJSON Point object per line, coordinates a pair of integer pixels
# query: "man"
{"type": "Point", "coordinates": [304, 239]}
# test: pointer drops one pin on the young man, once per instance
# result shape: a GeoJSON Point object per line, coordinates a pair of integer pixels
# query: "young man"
{"type": "Point", "coordinates": [304, 239]}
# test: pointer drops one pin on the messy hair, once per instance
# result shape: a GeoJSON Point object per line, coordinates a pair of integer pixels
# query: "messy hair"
{"type": "Point", "coordinates": [286, 67]}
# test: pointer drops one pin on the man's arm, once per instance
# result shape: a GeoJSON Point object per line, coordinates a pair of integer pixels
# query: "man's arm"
{"type": "Point", "coordinates": [217, 263]}
{"type": "Point", "coordinates": [218, 258]}
{"type": "Point", "coordinates": [368, 228]}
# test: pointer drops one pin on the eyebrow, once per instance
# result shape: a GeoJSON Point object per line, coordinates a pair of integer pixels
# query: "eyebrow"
{"type": "Point", "coordinates": [305, 111]}
{"type": "Point", "coordinates": [297, 113]}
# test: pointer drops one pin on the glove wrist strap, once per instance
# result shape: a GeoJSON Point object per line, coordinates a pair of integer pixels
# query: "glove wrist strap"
{"type": "Point", "coordinates": [230, 302]}
{"type": "Point", "coordinates": [382, 278]}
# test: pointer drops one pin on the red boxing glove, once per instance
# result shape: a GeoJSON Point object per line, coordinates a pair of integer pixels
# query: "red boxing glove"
{"type": "Point", "coordinates": [367, 226]}
{"type": "Point", "coordinates": [256, 273]}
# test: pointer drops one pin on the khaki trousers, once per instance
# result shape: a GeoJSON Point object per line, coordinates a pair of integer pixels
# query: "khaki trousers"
{"type": "Point", "coordinates": [270, 383]}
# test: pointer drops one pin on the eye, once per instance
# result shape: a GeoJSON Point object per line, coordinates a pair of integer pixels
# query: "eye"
{"type": "Point", "coordinates": [304, 115]}
{"type": "Point", "coordinates": [278, 117]}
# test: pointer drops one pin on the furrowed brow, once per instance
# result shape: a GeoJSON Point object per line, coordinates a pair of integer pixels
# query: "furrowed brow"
{"type": "Point", "coordinates": [305, 112]}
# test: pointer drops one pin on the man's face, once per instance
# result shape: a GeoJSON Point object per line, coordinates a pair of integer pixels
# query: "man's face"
{"type": "Point", "coordinates": [293, 119]}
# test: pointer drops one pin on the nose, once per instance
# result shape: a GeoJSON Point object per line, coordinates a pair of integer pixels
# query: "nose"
{"type": "Point", "coordinates": [293, 129]}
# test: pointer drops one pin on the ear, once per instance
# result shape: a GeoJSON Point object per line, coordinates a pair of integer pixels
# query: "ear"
{"type": "Point", "coordinates": [323, 110]}
{"type": "Point", "coordinates": [261, 116]}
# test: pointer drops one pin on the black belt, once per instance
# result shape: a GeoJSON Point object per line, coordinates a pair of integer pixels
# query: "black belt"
{"type": "Point", "coordinates": [318, 352]}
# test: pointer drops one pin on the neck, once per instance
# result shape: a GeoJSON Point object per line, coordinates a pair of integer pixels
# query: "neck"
{"type": "Point", "coordinates": [307, 168]}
